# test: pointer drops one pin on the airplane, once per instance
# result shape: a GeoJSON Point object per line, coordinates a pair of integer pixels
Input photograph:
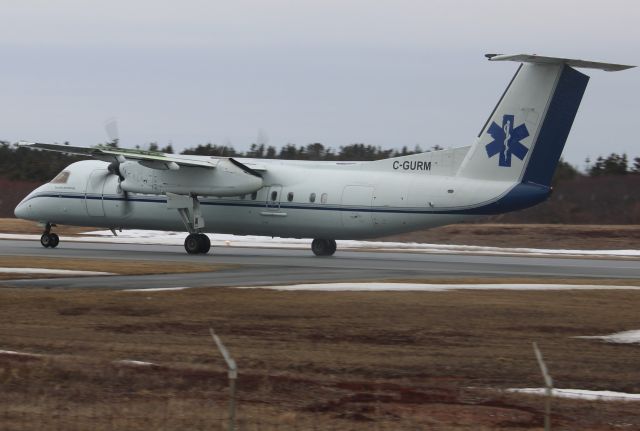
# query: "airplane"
{"type": "Point", "coordinates": [508, 168]}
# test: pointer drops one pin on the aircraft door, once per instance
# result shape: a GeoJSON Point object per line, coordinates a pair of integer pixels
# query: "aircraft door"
{"type": "Point", "coordinates": [93, 192]}
{"type": "Point", "coordinates": [273, 197]}
{"type": "Point", "coordinates": [356, 202]}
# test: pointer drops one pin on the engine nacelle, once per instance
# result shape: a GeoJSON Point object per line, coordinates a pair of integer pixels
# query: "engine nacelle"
{"type": "Point", "coordinates": [226, 179]}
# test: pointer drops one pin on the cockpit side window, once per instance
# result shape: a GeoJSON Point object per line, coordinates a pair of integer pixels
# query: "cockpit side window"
{"type": "Point", "coordinates": [61, 178]}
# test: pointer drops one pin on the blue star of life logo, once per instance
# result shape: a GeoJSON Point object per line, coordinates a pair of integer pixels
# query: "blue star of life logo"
{"type": "Point", "coordinates": [506, 141]}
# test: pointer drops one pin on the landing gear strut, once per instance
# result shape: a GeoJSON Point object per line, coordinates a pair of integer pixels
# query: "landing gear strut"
{"type": "Point", "coordinates": [189, 209]}
{"type": "Point", "coordinates": [49, 239]}
{"type": "Point", "coordinates": [323, 247]}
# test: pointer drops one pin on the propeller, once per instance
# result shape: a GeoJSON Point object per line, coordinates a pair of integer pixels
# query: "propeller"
{"type": "Point", "coordinates": [262, 138]}
{"type": "Point", "coordinates": [111, 128]}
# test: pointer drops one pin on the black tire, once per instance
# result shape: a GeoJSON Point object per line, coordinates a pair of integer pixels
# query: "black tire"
{"type": "Point", "coordinates": [192, 243]}
{"type": "Point", "coordinates": [45, 240]}
{"type": "Point", "coordinates": [55, 240]}
{"type": "Point", "coordinates": [332, 246]}
{"type": "Point", "coordinates": [323, 247]}
{"type": "Point", "coordinates": [205, 243]}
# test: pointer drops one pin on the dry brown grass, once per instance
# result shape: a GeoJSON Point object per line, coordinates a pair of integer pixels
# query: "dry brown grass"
{"type": "Point", "coordinates": [122, 267]}
{"type": "Point", "coordinates": [555, 236]}
{"type": "Point", "coordinates": [347, 360]}
{"type": "Point", "coordinates": [14, 225]}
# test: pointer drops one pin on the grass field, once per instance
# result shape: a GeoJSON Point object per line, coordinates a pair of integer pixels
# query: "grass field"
{"type": "Point", "coordinates": [554, 236]}
{"type": "Point", "coordinates": [312, 360]}
{"type": "Point", "coordinates": [14, 225]}
{"type": "Point", "coordinates": [121, 267]}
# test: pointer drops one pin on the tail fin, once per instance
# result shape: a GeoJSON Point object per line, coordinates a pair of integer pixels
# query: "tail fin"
{"type": "Point", "coordinates": [524, 136]}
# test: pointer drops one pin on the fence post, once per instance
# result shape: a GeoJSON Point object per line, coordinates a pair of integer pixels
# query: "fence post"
{"type": "Point", "coordinates": [548, 383]}
{"type": "Point", "coordinates": [233, 375]}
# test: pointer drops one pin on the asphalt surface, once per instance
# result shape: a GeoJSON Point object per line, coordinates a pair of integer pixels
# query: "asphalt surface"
{"type": "Point", "coordinates": [268, 266]}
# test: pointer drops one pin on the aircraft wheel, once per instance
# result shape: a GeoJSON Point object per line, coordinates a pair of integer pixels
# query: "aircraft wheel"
{"type": "Point", "coordinates": [192, 243]}
{"type": "Point", "coordinates": [55, 240]}
{"type": "Point", "coordinates": [205, 243]}
{"type": "Point", "coordinates": [46, 240]}
{"type": "Point", "coordinates": [323, 247]}
{"type": "Point", "coordinates": [332, 246]}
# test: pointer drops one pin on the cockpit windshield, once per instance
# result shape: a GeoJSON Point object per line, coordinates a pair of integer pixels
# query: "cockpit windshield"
{"type": "Point", "coordinates": [61, 178]}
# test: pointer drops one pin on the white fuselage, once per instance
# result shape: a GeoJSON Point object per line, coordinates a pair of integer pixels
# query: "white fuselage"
{"type": "Point", "coordinates": [509, 167]}
{"type": "Point", "coordinates": [339, 200]}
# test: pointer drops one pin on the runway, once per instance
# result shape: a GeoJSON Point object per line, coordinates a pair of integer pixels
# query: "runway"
{"type": "Point", "coordinates": [265, 266]}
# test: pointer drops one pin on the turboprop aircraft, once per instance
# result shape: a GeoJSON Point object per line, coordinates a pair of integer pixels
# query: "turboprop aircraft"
{"type": "Point", "coordinates": [509, 167]}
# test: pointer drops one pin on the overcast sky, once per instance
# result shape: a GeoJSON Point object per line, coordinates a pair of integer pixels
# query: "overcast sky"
{"type": "Point", "coordinates": [387, 73]}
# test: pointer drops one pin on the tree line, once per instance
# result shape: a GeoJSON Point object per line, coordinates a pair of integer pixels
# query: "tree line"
{"type": "Point", "coordinates": [315, 151]}
{"type": "Point", "coordinates": [19, 163]}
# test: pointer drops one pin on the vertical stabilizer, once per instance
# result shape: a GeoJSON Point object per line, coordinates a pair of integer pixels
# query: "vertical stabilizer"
{"type": "Point", "coordinates": [524, 136]}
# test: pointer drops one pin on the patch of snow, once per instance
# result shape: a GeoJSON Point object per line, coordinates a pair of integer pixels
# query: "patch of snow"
{"type": "Point", "coordinates": [581, 394]}
{"type": "Point", "coordinates": [177, 238]}
{"type": "Point", "coordinates": [626, 337]}
{"type": "Point", "coordinates": [133, 362]}
{"type": "Point", "coordinates": [50, 271]}
{"type": "Point", "coordinates": [334, 287]}
{"type": "Point", "coordinates": [14, 353]}
{"type": "Point", "coordinates": [157, 289]}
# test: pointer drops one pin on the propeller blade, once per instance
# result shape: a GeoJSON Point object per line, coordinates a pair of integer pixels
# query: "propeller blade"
{"type": "Point", "coordinates": [111, 127]}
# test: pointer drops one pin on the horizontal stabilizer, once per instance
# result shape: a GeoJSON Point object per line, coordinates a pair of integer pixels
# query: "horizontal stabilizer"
{"type": "Point", "coordinates": [532, 58]}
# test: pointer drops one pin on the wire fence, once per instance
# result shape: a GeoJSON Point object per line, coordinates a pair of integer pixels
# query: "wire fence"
{"type": "Point", "coordinates": [134, 398]}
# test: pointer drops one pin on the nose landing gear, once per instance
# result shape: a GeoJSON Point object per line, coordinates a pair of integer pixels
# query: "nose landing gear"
{"type": "Point", "coordinates": [49, 239]}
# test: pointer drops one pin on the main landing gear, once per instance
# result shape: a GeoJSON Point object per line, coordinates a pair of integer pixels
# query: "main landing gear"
{"type": "Point", "coordinates": [189, 209]}
{"type": "Point", "coordinates": [49, 239]}
{"type": "Point", "coordinates": [323, 247]}
{"type": "Point", "coordinates": [197, 243]}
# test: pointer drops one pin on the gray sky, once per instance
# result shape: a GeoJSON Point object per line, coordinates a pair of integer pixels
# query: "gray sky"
{"type": "Point", "coordinates": [388, 73]}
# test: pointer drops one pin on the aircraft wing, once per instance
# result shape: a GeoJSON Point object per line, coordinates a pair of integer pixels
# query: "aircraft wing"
{"type": "Point", "coordinates": [111, 154]}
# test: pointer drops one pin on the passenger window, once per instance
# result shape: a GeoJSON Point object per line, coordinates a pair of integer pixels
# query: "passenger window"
{"type": "Point", "coordinates": [61, 178]}
{"type": "Point", "coordinates": [254, 195]}
{"type": "Point", "coordinates": [290, 196]}
{"type": "Point", "coordinates": [274, 196]}
{"type": "Point", "coordinates": [323, 198]}
{"type": "Point", "coordinates": [312, 197]}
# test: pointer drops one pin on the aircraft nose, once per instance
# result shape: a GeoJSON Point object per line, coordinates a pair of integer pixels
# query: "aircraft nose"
{"type": "Point", "coordinates": [22, 210]}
